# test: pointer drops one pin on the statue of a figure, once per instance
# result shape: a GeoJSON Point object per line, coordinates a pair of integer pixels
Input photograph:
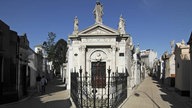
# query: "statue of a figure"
{"type": "Point", "coordinates": [76, 25]}
{"type": "Point", "coordinates": [183, 42]}
{"type": "Point", "coordinates": [121, 27]}
{"type": "Point", "coordinates": [98, 12]}
{"type": "Point", "coordinates": [172, 43]}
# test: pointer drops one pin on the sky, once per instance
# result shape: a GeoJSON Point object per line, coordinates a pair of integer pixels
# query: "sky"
{"type": "Point", "coordinates": [152, 24]}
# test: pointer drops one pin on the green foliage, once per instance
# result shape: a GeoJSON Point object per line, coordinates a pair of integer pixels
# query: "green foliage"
{"type": "Point", "coordinates": [55, 52]}
{"type": "Point", "coordinates": [60, 53]}
{"type": "Point", "coordinates": [49, 46]}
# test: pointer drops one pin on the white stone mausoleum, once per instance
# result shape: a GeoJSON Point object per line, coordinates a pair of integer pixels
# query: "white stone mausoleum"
{"type": "Point", "coordinates": [99, 43]}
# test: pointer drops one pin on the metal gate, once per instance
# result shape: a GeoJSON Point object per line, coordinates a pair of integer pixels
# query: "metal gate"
{"type": "Point", "coordinates": [98, 89]}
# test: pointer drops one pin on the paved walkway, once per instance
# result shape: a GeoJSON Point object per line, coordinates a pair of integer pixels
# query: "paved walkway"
{"type": "Point", "coordinates": [150, 94]}
{"type": "Point", "coordinates": [55, 97]}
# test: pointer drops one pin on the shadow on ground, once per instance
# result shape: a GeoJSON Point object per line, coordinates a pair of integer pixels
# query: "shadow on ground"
{"type": "Point", "coordinates": [55, 85]}
{"type": "Point", "coordinates": [58, 104]}
{"type": "Point", "coordinates": [55, 97]}
{"type": "Point", "coordinates": [168, 94]}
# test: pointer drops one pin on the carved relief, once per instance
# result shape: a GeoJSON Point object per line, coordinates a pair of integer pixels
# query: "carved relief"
{"type": "Point", "coordinates": [98, 31]}
{"type": "Point", "coordinates": [98, 55]}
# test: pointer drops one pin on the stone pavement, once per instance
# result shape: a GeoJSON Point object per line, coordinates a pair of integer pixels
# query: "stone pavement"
{"type": "Point", "coordinates": [151, 94]}
{"type": "Point", "coordinates": [55, 97]}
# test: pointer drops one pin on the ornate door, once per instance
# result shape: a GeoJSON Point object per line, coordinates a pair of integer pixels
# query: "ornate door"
{"type": "Point", "coordinates": [98, 74]}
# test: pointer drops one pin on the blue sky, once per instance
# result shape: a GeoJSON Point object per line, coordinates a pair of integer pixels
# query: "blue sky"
{"type": "Point", "coordinates": [151, 23]}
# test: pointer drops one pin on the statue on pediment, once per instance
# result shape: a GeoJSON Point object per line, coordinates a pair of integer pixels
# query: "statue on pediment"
{"type": "Point", "coordinates": [76, 25]}
{"type": "Point", "coordinates": [98, 12]}
{"type": "Point", "coordinates": [172, 43]}
{"type": "Point", "coordinates": [121, 27]}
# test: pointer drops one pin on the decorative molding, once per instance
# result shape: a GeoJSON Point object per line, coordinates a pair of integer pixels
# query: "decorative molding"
{"type": "Point", "coordinates": [98, 55]}
{"type": "Point", "coordinates": [97, 40]}
{"type": "Point", "coordinates": [98, 29]}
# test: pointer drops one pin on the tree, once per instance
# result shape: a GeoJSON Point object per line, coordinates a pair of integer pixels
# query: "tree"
{"type": "Point", "coordinates": [56, 53]}
{"type": "Point", "coordinates": [60, 54]}
{"type": "Point", "coordinates": [49, 46]}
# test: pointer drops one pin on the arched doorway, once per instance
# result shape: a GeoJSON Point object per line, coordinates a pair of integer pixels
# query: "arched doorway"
{"type": "Point", "coordinates": [98, 61]}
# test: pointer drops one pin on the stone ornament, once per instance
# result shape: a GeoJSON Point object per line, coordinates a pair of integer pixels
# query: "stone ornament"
{"type": "Point", "coordinates": [98, 55]}
{"type": "Point", "coordinates": [121, 27]}
{"type": "Point", "coordinates": [98, 12]}
{"type": "Point", "coordinates": [76, 25]}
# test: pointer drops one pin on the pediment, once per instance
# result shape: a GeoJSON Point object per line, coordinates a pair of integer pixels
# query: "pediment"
{"type": "Point", "coordinates": [98, 29]}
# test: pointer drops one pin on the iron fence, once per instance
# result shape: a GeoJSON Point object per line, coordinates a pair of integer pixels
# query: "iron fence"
{"type": "Point", "coordinates": [91, 91]}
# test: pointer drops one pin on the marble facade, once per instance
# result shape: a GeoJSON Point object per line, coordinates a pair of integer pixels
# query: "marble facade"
{"type": "Point", "coordinates": [99, 43]}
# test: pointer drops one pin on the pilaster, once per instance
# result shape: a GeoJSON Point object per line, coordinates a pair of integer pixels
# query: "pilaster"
{"type": "Point", "coordinates": [82, 58]}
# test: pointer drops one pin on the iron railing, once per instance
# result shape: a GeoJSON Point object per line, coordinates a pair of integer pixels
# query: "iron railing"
{"type": "Point", "coordinates": [111, 95]}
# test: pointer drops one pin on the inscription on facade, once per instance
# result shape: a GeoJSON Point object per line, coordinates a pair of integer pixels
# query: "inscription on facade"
{"type": "Point", "coordinates": [96, 40]}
